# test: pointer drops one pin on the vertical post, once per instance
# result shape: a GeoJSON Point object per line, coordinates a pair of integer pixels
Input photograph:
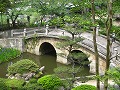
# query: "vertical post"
{"type": "Point", "coordinates": [63, 33]}
{"type": "Point", "coordinates": [97, 29]}
{"type": "Point", "coordinates": [47, 29]}
{"type": "Point", "coordinates": [115, 53]}
{"type": "Point", "coordinates": [11, 33]}
{"type": "Point", "coordinates": [24, 33]}
{"type": "Point", "coordinates": [34, 31]}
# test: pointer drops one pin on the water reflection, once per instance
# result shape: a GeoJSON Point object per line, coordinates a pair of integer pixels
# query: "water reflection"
{"type": "Point", "coordinates": [44, 60]}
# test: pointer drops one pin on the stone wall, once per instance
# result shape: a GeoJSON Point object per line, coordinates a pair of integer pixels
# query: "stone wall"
{"type": "Point", "coordinates": [17, 43]}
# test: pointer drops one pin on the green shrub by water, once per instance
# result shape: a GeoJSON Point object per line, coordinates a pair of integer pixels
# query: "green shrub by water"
{"type": "Point", "coordinates": [50, 82]}
{"type": "Point", "coordinates": [2, 84]}
{"type": "Point", "coordinates": [23, 66]}
{"type": "Point", "coordinates": [14, 84]}
{"type": "Point", "coordinates": [85, 87]}
{"type": "Point", "coordinates": [32, 85]}
{"type": "Point", "coordinates": [7, 54]}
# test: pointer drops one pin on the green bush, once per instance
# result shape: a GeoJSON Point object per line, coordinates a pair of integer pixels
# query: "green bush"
{"type": "Point", "coordinates": [23, 66]}
{"type": "Point", "coordinates": [50, 82]}
{"type": "Point", "coordinates": [33, 80]}
{"type": "Point", "coordinates": [85, 87]}
{"type": "Point", "coordinates": [14, 83]}
{"type": "Point", "coordinates": [7, 54]}
{"type": "Point", "coordinates": [32, 85]}
{"type": "Point", "coordinates": [114, 74]}
{"type": "Point", "coordinates": [2, 84]}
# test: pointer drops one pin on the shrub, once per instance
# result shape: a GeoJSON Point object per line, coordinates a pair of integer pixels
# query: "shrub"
{"type": "Point", "coordinates": [2, 84]}
{"type": "Point", "coordinates": [49, 82]}
{"type": "Point", "coordinates": [85, 87]}
{"type": "Point", "coordinates": [32, 85]}
{"type": "Point", "coordinates": [114, 74]}
{"type": "Point", "coordinates": [23, 66]}
{"type": "Point", "coordinates": [33, 80]}
{"type": "Point", "coordinates": [14, 83]}
{"type": "Point", "coordinates": [7, 54]}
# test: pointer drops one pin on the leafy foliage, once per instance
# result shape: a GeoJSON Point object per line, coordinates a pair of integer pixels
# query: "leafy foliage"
{"type": "Point", "coordinates": [4, 4]}
{"type": "Point", "coordinates": [56, 22]}
{"type": "Point", "coordinates": [14, 83]}
{"type": "Point", "coordinates": [49, 82]}
{"type": "Point", "coordinates": [2, 84]}
{"type": "Point", "coordinates": [23, 66]}
{"type": "Point", "coordinates": [7, 54]}
{"type": "Point", "coordinates": [85, 87]}
{"type": "Point", "coordinates": [115, 75]}
{"type": "Point", "coordinates": [32, 85]}
{"type": "Point", "coordinates": [78, 57]}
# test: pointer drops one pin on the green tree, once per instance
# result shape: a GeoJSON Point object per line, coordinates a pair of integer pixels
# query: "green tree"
{"type": "Point", "coordinates": [49, 8]}
{"type": "Point", "coordinates": [75, 26]}
{"type": "Point", "coordinates": [108, 29]}
{"type": "Point", "coordinates": [4, 5]}
{"type": "Point", "coordinates": [78, 60]}
{"type": "Point", "coordinates": [17, 8]}
{"type": "Point", "coordinates": [95, 43]}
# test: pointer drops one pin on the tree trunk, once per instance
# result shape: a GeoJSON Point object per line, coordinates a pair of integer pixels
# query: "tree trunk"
{"type": "Point", "coordinates": [1, 21]}
{"type": "Point", "coordinates": [95, 45]}
{"type": "Point", "coordinates": [108, 28]}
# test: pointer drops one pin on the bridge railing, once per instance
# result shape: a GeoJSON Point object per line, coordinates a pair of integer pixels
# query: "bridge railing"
{"type": "Point", "coordinates": [102, 52]}
{"type": "Point", "coordinates": [28, 33]}
{"type": "Point", "coordinates": [25, 32]}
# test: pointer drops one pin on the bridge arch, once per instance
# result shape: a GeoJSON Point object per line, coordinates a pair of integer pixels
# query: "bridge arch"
{"type": "Point", "coordinates": [47, 49]}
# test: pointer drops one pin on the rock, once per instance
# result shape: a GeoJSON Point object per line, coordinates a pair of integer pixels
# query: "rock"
{"type": "Point", "coordinates": [27, 76]}
{"type": "Point", "coordinates": [18, 76]}
{"type": "Point", "coordinates": [42, 68]}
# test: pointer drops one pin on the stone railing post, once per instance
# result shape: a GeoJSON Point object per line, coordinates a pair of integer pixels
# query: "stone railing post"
{"type": "Point", "coordinates": [11, 33]}
{"type": "Point", "coordinates": [46, 32]}
{"type": "Point", "coordinates": [34, 31]}
{"type": "Point", "coordinates": [97, 29]}
{"type": "Point", "coordinates": [115, 53]}
{"type": "Point", "coordinates": [24, 33]}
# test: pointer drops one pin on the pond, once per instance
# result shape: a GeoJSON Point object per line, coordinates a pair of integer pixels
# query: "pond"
{"type": "Point", "coordinates": [44, 60]}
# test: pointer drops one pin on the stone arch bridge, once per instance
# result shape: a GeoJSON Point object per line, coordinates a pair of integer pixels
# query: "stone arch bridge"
{"type": "Point", "coordinates": [47, 42]}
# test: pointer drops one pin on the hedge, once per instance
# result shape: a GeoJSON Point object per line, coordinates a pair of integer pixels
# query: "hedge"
{"type": "Point", "coordinates": [85, 87]}
{"type": "Point", "coordinates": [50, 82]}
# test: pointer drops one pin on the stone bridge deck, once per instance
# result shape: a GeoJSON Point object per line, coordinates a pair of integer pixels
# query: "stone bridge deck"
{"type": "Point", "coordinates": [87, 42]}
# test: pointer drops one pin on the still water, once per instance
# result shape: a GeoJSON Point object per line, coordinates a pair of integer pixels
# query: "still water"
{"type": "Point", "coordinates": [45, 60]}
